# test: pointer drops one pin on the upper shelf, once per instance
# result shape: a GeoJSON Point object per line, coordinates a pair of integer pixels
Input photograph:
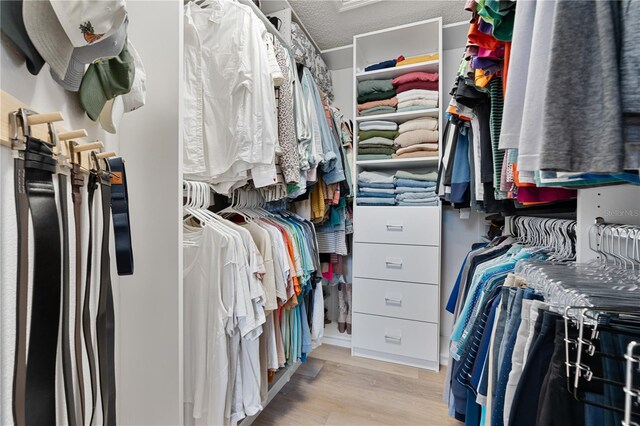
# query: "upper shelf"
{"type": "Point", "coordinates": [430, 66]}
{"type": "Point", "coordinates": [401, 117]}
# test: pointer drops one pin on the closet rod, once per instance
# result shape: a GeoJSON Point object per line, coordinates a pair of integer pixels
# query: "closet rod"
{"type": "Point", "coordinates": [264, 19]}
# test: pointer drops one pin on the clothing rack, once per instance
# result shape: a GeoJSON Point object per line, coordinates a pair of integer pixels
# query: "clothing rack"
{"type": "Point", "coordinates": [559, 235]}
{"type": "Point", "coordinates": [617, 243]}
{"type": "Point", "coordinates": [633, 361]}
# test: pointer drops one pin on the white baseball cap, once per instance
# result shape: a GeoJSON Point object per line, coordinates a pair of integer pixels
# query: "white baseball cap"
{"type": "Point", "coordinates": [111, 115]}
{"type": "Point", "coordinates": [56, 27]}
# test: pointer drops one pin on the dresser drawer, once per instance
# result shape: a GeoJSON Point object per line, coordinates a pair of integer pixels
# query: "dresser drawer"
{"type": "Point", "coordinates": [395, 336]}
{"type": "Point", "coordinates": [418, 264]}
{"type": "Point", "coordinates": [397, 225]}
{"type": "Point", "coordinates": [417, 302]}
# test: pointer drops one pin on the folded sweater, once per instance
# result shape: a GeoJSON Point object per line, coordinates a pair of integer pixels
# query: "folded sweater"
{"type": "Point", "coordinates": [384, 64]}
{"type": "Point", "coordinates": [376, 96]}
{"type": "Point", "coordinates": [377, 190]}
{"type": "Point", "coordinates": [377, 201]}
{"type": "Point", "coordinates": [372, 86]}
{"type": "Point", "coordinates": [368, 134]}
{"type": "Point", "coordinates": [414, 190]}
{"type": "Point", "coordinates": [424, 103]}
{"type": "Point", "coordinates": [416, 154]}
{"type": "Point", "coordinates": [383, 102]}
{"type": "Point", "coordinates": [415, 183]}
{"type": "Point", "coordinates": [431, 176]}
{"type": "Point", "coordinates": [376, 177]}
{"type": "Point", "coordinates": [376, 141]}
{"type": "Point", "coordinates": [377, 150]}
{"type": "Point", "coordinates": [415, 137]}
{"type": "Point", "coordinates": [415, 76]}
{"type": "Point", "coordinates": [418, 147]}
{"type": "Point", "coordinates": [418, 59]}
{"type": "Point", "coordinates": [378, 110]}
{"type": "Point", "coordinates": [417, 94]}
{"type": "Point", "coordinates": [375, 195]}
{"type": "Point", "coordinates": [433, 104]}
{"type": "Point", "coordinates": [378, 125]}
{"type": "Point", "coordinates": [422, 85]}
{"type": "Point", "coordinates": [365, 157]}
{"type": "Point", "coordinates": [426, 123]}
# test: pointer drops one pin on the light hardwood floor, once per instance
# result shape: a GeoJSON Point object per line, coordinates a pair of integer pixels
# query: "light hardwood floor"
{"type": "Point", "coordinates": [333, 388]}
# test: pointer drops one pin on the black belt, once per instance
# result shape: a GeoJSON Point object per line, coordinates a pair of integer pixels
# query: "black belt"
{"type": "Point", "coordinates": [20, 359]}
{"type": "Point", "coordinates": [86, 310]}
{"type": "Point", "coordinates": [40, 401]}
{"type": "Point", "coordinates": [120, 214]}
{"type": "Point", "coordinates": [105, 321]}
{"type": "Point", "coordinates": [77, 182]}
{"type": "Point", "coordinates": [67, 370]}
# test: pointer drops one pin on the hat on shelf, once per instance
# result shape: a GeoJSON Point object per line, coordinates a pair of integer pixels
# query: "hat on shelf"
{"type": "Point", "coordinates": [114, 109]}
{"type": "Point", "coordinates": [104, 80]}
{"type": "Point", "coordinates": [105, 48]}
{"type": "Point", "coordinates": [13, 27]}
{"type": "Point", "coordinates": [57, 27]}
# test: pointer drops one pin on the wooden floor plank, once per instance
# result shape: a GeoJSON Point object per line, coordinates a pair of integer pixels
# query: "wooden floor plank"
{"type": "Point", "coordinates": [352, 391]}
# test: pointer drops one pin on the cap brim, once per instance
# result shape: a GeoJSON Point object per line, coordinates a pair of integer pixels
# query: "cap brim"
{"type": "Point", "coordinates": [137, 95]}
{"type": "Point", "coordinates": [111, 115]}
{"type": "Point", "coordinates": [47, 35]}
{"type": "Point", "coordinates": [92, 96]}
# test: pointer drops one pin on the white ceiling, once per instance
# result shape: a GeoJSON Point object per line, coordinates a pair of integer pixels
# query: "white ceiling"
{"type": "Point", "coordinates": [331, 28]}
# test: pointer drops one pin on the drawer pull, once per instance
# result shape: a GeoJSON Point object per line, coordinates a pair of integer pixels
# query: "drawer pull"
{"type": "Point", "coordinates": [391, 227]}
{"type": "Point", "coordinates": [393, 263]}
{"type": "Point", "coordinates": [397, 339]}
{"type": "Point", "coordinates": [391, 300]}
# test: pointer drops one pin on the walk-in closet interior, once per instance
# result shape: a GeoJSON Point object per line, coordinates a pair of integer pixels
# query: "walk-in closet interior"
{"type": "Point", "coordinates": [336, 212]}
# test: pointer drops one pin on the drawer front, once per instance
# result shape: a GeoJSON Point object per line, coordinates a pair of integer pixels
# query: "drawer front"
{"type": "Point", "coordinates": [417, 302]}
{"type": "Point", "coordinates": [397, 225]}
{"type": "Point", "coordinates": [418, 264]}
{"type": "Point", "coordinates": [395, 336]}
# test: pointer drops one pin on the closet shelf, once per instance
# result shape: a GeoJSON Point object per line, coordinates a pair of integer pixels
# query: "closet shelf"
{"type": "Point", "coordinates": [400, 162]}
{"type": "Point", "coordinates": [401, 117]}
{"type": "Point", "coordinates": [333, 337]}
{"type": "Point", "coordinates": [429, 66]}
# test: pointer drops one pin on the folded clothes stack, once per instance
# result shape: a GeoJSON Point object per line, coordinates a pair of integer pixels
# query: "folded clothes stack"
{"type": "Point", "coordinates": [416, 91]}
{"type": "Point", "coordinates": [384, 64]}
{"type": "Point", "coordinates": [376, 97]}
{"type": "Point", "coordinates": [376, 140]}
{"type": "Point", "coordinates": [376, 189]}
{"type": "Point", "coordinates": [417, 138]}
{"type": "Point", "coordinates": [417, 59]}
{"type": "Point", "coordinates": [415, 189]}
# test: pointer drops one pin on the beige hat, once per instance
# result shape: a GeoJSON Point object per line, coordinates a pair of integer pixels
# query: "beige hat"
{"type": "Point", "coordinates": [111, 115]}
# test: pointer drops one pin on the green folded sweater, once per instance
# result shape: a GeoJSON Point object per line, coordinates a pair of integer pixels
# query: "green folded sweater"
{"type": "Point", "coordinates": [381, 150]}
{"type": "Point", "coordinates": [376, 96]}
{"type": "Point", "coordinates": [372, 86]}
{"type": "Point", "coordinates": [367, 134]}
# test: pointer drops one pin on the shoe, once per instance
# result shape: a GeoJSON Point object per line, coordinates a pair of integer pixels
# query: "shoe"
{"type": "Point", "coordinates": [342, 309]}
{"type": "Point", "coordinates": [348, 288]}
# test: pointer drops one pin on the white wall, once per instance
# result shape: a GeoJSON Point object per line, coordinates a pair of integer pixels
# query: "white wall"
{"type": "Point", "coordinates": [343, 91]}
{"type": "Point", "coordinates": [148, 304]}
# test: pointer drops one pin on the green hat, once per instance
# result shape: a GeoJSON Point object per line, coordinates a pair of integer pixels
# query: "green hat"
{"type": "Point", "coordinates": [105, 80]}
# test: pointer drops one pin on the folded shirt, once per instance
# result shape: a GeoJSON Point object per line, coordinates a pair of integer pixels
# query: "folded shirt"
{"type": "Point", "coordinates": [414, 76]}
{"type": "Point", "coordinates": [426, 123]}
{"type": "Point", "coordinates": [378, 125]}
{"type": "Point", "coordinates": [377, 201]}
{"type": "Point", "coordinates": [418, 59]}
{"type": "Point", "coordinates": [377, 150]}
{"type": "Point", "coordinates": [431, 104]}
{"type": "Point", "coordinates": [372, 86]}
{"type": "Point", "coordinates": [384, 64]}
{"type": "Point", "coordinates": [384, 102]}
{"type": "Point", "coordinates": [365, 157]}
{"type": "Point", "coordinates": [403, 174]}
{"type": "Point", "coordinates": [414, 137]}
{"type": "Point", "coordinates": [417, 94]}
{"type": "Point", "coordinates": [374, 145]}
{"type": "Point", "coordinates": [422, 85]}
{"type": "Point", "coordinates": [419, 201]}
{"type": "Point", "coordinates": [378, 110]}
{"type": "Point", "coordinates": [415, 183]}
{"type": "Point", "coordinates": [423, 196]}
{"type": "Point", "coordinates": [424, 103]}
{"type": "Point", "coordinates": [377, 140]}
{"type": "Point", "coordinates": [418, 147]}
{"type": "Point", "coordinates": [376, 177]}
{"type": "Point", "coordinates": [367, 134]}
{"type": "Point", "coordinates": [376, 96]}
{"type": "Point", "coordinates": [413, 189]}
{"type": "Point", "coordinates": [421, 204]}
{"type": "Point", "coordinates": [375, 195]}
{"type": "Point", "coordinates": [416, 154]}
{"type": "Point", "coordinates": [378, 190]}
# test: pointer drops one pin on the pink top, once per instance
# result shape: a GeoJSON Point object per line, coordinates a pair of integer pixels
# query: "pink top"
{"type": "Point", "coordinates": [415, 76]}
